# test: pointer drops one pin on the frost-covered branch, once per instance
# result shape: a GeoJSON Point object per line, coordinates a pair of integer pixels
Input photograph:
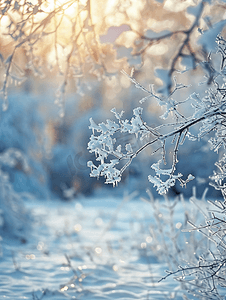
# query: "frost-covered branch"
{"type": "Point", "coordinates": [208, 116]}
{"type": "Point", "coordinates": [204, 276]}
{"type": "Point", "coordinates": [185, 44]}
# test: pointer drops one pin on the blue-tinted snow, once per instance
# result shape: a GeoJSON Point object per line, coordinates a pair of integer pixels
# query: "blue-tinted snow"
{"type": "Point", "coordinates": [87, 249]}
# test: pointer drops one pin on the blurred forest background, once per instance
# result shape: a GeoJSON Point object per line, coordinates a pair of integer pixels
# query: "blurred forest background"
{"type": "Point", "coordinates": [61, 64]}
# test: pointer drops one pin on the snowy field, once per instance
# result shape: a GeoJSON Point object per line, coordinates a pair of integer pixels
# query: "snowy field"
{"type": "Point", "coordinates": [90, 249]}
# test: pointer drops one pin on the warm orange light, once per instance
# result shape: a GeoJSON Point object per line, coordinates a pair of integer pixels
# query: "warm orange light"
{"type": "Point", "coordinates": [63, 33]}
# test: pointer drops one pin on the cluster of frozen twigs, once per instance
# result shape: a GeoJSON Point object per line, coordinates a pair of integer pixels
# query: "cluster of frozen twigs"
{"type": "Point", "coordinates": [207, 116]}
{"type": "Point", "coordinates": [194, 247]}
{"type": "Point", "coordinates": [204, 276]}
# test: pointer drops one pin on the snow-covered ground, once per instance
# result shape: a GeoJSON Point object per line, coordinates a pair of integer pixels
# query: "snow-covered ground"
{"type": "Point", "coordinates": [88, 249]}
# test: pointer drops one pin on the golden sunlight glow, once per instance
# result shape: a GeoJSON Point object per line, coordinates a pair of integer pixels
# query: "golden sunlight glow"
{"type": "Point", "coordinates": [69, 7]}
{"type": "Point", "coordinates": [65, 33]}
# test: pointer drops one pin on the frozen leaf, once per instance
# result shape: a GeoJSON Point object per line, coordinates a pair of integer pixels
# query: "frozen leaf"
{"type": "Point", "coordinates": [90, 164]}
{"type": "Point", "coordinates": [93, 125]}
{"type": "Point", "coordinates": [112, 126]}
{"type": "Point", "coordinates": [137, 124]}
{"type": "Point", "coordinates": [119, 149]}
{"type": "Point", "coordinates": [137, 111]}
{"type": "Point", "coordinates": [155, 180]}
{"type": "Point", "coordinates": [126, 126]}
{"type": "Point", "coordinates": [190, 177]}
{"type": "Point", "coordinates": [162, 187]}
{"type": "Point", "coordinates": [117, 115]}
{"type": "Point", "coordinates": [103, 128]}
